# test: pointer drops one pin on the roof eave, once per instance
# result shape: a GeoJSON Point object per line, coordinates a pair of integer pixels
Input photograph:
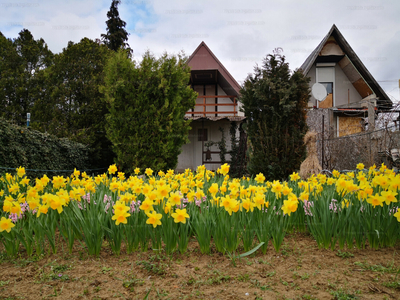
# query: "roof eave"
{"type": "Point", "coordinates": [383, 99]}
{"type": "Point", "coordinates": [235, 84]}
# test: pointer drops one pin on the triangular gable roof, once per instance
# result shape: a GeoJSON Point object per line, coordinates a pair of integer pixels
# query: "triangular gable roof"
{"type": "Point", "coordinates": [383, 99]}
{"type": "Point", "coordinates": [204, 59]}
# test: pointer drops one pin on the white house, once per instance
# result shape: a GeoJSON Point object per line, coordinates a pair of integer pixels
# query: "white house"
{"type": "Point", "coordinates": [216, 107]}
{"type": "Point", "coordinates": [352, 93]}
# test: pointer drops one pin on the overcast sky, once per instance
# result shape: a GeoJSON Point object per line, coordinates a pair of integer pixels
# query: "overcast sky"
{"type": "Point", "coordinates": [240, 33]}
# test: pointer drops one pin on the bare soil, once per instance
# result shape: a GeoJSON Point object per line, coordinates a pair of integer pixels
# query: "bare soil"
{"type": "Point", "coordinates": [299, 271]}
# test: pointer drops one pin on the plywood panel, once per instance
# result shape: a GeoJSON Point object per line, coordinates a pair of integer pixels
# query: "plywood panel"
{"type": "Point", "coordinates": [349, 125]}
{"type": "Point", "coordinates": [327, 103]}
{"type": "Point", "coordinates": [331, 48]}
{"type": "Point", "coordinates": [362, 88]}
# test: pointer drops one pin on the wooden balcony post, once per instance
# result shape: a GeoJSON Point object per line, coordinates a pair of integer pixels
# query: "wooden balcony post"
{"type": "Point", "coordinates": [204, 106]}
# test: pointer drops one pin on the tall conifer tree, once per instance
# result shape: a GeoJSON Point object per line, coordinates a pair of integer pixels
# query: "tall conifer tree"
{"type": "Point", "coordinates": [274, 102]}
{"type": "Point", "coordinates": [116, 35]}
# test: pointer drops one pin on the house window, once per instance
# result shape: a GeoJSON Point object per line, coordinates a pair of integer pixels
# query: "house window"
{"type": "Point", "coordinates": [202, 134]}
{"type": "Point", "coordinates": [326, 76]}
{"type": "Point", "coordinates": [329, 88]}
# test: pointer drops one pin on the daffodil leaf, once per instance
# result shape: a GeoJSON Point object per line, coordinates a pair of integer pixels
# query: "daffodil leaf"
{"type": "Point", "coordinates": [251, 251]}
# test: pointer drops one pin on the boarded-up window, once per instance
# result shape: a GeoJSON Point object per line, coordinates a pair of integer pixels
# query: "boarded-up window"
{"type": "Point", "coordinates": [328, 102]}
{"type": "Point", "coordinates": [202, 134]}
{"type": "Point", "coordinates": [349, 125]}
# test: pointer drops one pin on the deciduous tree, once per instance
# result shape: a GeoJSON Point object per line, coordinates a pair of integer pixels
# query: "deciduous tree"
{"type": "Point", "coordinates": [22, 62]}
{"type": "Point", "coordinates": [73, 107]}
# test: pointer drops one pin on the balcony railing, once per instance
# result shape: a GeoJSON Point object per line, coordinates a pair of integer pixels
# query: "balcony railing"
{"type": "Point", "coordinates": [204, 112]}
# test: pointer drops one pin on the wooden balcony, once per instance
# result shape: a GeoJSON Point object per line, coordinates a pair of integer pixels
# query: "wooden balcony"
{"type": "Point", "coordinates": [205, 112]}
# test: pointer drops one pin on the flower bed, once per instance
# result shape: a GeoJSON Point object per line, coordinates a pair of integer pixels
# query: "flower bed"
{"type": "Point", "coordinates": [163, 212]}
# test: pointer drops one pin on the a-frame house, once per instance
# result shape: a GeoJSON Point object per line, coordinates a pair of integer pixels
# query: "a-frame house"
{"type": "Point", "coordinates": [216, 107]}
{"type": "Point", "coordinates": [352, 92]}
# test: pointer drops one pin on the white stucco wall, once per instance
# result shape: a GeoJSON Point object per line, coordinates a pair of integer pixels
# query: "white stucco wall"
{"type": "Point", "coordinates": [312, 73]}
{"type": "Point", "coordinates": [343, 88]}
{"type": "Point", "coordinates": [190, 156]}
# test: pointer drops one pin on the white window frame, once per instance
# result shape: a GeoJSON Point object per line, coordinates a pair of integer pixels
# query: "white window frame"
{"type": "Point", "coordinates": [327, 66]}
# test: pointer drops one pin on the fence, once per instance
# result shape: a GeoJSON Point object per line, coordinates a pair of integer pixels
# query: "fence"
{"type": "Point", "coordinates": [344, 153]}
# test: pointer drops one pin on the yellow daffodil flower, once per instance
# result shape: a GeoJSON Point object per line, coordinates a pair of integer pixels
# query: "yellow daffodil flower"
{"type": "Point", "coordinates": [154, 219]}
{"type": "Point", "coordinates": [6, 224]}
{"type": "Point", "coordinates": [180, 216]}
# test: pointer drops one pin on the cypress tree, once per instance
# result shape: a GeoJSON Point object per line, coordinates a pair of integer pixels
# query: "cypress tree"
{"type": "Point", "coordinates": [116, 35]}
{"type": "Point", "coordinates": [274, 102]}
{"type": "Point", "coordinates": [147, 103]}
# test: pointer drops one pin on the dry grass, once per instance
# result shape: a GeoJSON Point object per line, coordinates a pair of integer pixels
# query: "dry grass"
{"type": "Point", "coordinates": [311, 164]}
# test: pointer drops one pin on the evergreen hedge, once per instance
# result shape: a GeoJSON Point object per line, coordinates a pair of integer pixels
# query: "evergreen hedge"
{"type": "Point", "coordinates": [20, 146]}
{"type": "Point", "coordinates": [147, 103]}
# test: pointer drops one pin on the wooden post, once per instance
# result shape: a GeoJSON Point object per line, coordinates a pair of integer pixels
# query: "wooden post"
{"type": "Point", "coordinates": [371, 116]}
{"type": "Point", "coordinates": [204, 106]}
{"type": "Point", "coordinates": [348, 97]}
{"type": "Point", "coordinates": [216, 100]}
{"type": "Point", "coordinates": [323, 139]}
{"type": "Point", "coordinates": [204, 101]}
{"type": "Point", "coordinates": [202, 140]}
